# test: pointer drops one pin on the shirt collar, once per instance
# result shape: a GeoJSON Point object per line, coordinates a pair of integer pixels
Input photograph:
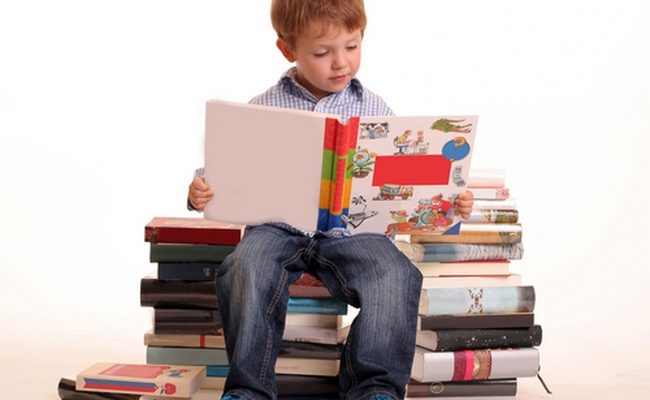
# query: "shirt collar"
{"type": "Point", "coordinates": [288, 82]}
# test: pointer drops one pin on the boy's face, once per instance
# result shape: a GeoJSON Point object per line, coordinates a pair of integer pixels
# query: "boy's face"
{"type": "Point", "coordinates": [326, 63]}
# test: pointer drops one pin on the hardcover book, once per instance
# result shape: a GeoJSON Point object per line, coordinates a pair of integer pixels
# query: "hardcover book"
{"type": "Point", "coordinates": [185, 252]}
{"type": "Point", "coordinates": [186, 355]}
{"type": "Point", "coordinates": [470, 281]}
{"type": "Point", "coordinates": [67, 390]}
{"type": "Point", "coordinates": [316, 305]}
{"type": "Point", "coordinates": [184, 340]}
{"type": "Point", "coordinates": [489, 300]}
{"type": "Point", "coordinates": [187, 321]}
{"type": "Point", "coordinates": [467, 365]}
{"type": "Point", "coordinates": [178, 294]}
{"type": "Point", "coordinates": [493, 216]}
{"type": "Point", "coordinates": [490, 387]}
{"type": "Point", "coordinates": [485, 233]}
{"type": "Point", "coordinates": [164, 380]}
{"type": "Point", "coordinates": [469, 339]}
{"type": "Point", "coordinates": [477, 321]}
{"type": "Point", "coordinates": [464, 268]}
{"type": "Point", "coordinates": [450, 252]}
{"type": "Point", "coordinates": [192, 230]}
{"type": "Point", "coordinates": [186, 271]}
{"type": "Point", "coordinates": [308, 285]}
{"type": "Point", "coordinates": [371, 174]}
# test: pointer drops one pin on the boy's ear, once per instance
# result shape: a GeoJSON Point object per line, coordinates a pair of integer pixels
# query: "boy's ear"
{"type": "Point", "coordinates": [285, 49]}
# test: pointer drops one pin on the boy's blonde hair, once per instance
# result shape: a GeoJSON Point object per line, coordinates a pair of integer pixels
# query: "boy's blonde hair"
{"type": "Point", "coordinates": [291, 18]}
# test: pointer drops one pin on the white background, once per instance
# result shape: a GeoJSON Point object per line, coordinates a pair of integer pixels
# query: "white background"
{"type": "Point", "coordinates": [101, 124]}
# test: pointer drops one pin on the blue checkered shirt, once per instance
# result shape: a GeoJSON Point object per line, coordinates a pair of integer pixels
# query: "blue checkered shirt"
{"type": "Point", "coordinates": [354, 100]}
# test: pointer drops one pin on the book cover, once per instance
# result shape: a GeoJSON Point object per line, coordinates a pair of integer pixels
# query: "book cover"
{"type": "Point", "coordinates": [184, 340]}
{"type": "Point", "coordinates": [371, 174]}
{"type": "Point", "coordinates": [467, 365]}
{"type": "Point", "coordinates": [464, 268]}
{"type": "Point", "coordinates": [186, 355]}
{"type": "Point", "coordinates": [489, 300]}
{"type": "Point", "coordinates": [484, 388]}
{"type": "Point", "coordinates": [165, 380]}
{"type": "Point", "coordinates": [470, 281]}
{"type": "Point", "coordinates": [477, 321]}
{"type": "Point", "coordinates": [192, 230]}
{"type": "Point", "coordinates": [178, 294]}
{"type": "Point", "coordinates": [450, 252]}
{"type": "Point", "coordinates": [179, 252]}
{"type": "Point", "coordinates": [486, 233]}
{"type": "Point", "coordinates": [469, 339]}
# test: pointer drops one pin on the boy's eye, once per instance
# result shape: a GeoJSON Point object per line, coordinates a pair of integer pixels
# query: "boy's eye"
{"type": "Point", "coordinates": [352, 47]}
{"type": "Point", "coordinates": [320, 54]}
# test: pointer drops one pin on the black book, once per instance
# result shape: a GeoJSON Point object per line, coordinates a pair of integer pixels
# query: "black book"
{"type": "Point", "coordinates": [309, 350]}
{"type": "Point", "coordinates": [172, 252]}
{"type": "Point", "coordinates": [491, 387]}
{"type": "Point", "coordinates": [468, 339]}
{"type": "Point", "coordinates": [187, 321]}
{"type": "Point", "coordinates": [298, 386]}
{"type": "Point", "coordinates": [67, 391]}
{"type": "Point", "coordinates": [187, 271]}
{"type": "Point", "coordinates": [476, 321]}
{"type": "Point", "coordinates": [178, 294]}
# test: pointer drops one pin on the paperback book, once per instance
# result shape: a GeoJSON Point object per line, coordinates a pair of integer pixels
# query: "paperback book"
{"type": "Point", "coordinates": [371, 174]}
{"type": "Point", "coordinates": [165, 380]}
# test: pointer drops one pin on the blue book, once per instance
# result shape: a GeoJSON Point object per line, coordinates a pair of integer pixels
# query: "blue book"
{"type": "Point", "coordinates": [217, 370]}
{"type": "Point", "coordinates": [479, 300]}
{"type": "Point", "coordinates": [186, 356]}
{"type": "Point", "coordinates": [311, 305]}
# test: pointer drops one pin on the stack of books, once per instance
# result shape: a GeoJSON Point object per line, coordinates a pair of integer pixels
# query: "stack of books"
{"type": "Point", "coordinates": [476, 332]}
{"type": "Point", "coordinates": [186, 320]}
{"type": "Point", "coordinates": [186, 327]}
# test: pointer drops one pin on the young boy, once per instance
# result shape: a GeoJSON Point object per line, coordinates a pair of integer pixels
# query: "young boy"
{"type": "Point", "coordinates": [323, 38]}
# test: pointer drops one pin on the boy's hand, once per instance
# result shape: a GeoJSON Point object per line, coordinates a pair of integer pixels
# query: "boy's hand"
{"type": "Point", "coordinates": [199, 193]}
{"type": "Point", "coordinates": [464, 203]}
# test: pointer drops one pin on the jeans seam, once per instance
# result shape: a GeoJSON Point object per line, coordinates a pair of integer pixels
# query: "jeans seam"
{"type": "Point", "coordinates": [269, 311]}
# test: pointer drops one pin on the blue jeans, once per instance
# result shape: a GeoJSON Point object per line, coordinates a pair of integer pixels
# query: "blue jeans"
{"type": "Point", "coordinates": [365, 270]}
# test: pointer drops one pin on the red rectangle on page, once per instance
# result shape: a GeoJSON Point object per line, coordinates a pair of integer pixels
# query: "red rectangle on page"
{"type": "Point", "coordinates": [411, 170]}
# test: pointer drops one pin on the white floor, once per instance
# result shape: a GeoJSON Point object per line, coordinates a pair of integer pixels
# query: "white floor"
{"type": "Point", "coordinates": [575, 365]}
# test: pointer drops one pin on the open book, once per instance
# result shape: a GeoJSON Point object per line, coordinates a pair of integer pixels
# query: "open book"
{"type": "Point", "coordinates": [390, 174]}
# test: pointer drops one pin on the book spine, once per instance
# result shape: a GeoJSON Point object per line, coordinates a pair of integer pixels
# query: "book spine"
{"type": "Point", "coordinates": [186, 271]}
{"type": "Point", "coordinates": [186, 356]}
{"type": "Point", "coordinates": [309, 350]}
{"type": "Point", "coordinates": [162, 234]}
{"type": "Point", "coordinates": [341, 187]}
{"type": "Point", "coordinates": [493, 216]}
{"type": "Point", "coordinates": [161, 252]}
{"type": "Point", "coordinates": [178, 340]}
{"type": "Point", "coordinates": [449, 252]}
{"type": "Point", "coordinates": [470, 339]}
{"type": "Point", "coordinates": [473, 321]}
{"type": "Point", "coordinates": [178, 294]}
{"type": "Point", "coordinates": [307, 305]}
{"type": "Point", "coordinates": [470, 365]}
{"type": "Point", "coordinates": [297, 385]}
{"type": "Point", "coordinates": [327, 170]}
{"type": "Point", "coordinates": [490, 387]}
{"type": "Point", "coordinates": [488, 300]}
{"type": "Point", "coordinates": [67, 391]}
{"type": "Point", "coordinates": [476, 233]}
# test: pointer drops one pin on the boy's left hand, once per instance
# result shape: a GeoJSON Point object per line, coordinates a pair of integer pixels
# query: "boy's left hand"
{"type": "Point", "coordinates": [464, 204]}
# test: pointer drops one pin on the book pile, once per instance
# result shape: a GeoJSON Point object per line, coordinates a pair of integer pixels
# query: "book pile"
{"type": "Point", "coordinates": [186, 320]}
{"type": "Point", "coordinates": [186, 324]}
{"type": "Point", "coordinates": [476, 332]}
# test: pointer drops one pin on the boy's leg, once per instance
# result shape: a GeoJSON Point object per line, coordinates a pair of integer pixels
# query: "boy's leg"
{"type": "Point", "coordinates": [252, 287]}
{"type": "Point", "coordinates": [368, 271]}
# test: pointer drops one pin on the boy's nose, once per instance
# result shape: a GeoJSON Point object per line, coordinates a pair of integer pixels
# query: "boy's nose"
{"type": "Point", "coordinates": [339, 61]}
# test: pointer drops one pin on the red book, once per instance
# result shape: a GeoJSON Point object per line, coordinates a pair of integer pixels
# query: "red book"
{"type": "Point", "coordinates": [193, 231]}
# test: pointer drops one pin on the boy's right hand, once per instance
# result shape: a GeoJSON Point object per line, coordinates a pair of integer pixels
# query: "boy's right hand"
{"type": "Point", "coordinates": [199, 193]}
